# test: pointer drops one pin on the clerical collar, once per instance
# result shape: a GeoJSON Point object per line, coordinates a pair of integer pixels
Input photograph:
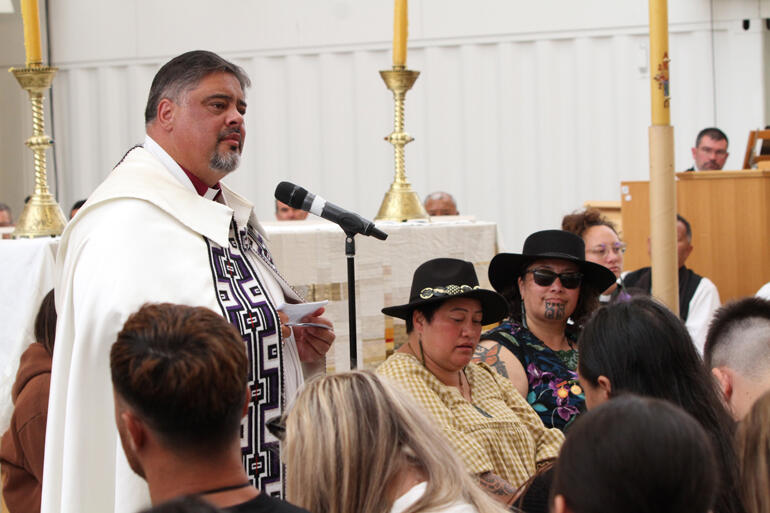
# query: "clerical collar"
{"type": "Point", "coordinates": [200, 187]}
{"type": "Point", "coordinates": [186, 178]}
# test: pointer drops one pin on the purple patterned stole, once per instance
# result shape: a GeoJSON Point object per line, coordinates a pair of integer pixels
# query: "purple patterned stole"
{"type": "Point", "coordinates": [244, 302]}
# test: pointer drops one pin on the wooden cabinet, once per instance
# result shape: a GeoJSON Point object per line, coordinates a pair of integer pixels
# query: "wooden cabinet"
{"type": "Point", "coordinates": [729, 212]}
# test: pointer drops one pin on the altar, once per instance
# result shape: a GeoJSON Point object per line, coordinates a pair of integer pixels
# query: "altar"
{"type": "Point", "coordinates": [309, 253]}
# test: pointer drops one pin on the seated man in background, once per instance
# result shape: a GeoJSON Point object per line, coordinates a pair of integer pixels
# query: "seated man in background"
{"type": "Point", "coordinates": [440, 204]}
{"type": "Point", "coordinates": [6, 219]}
{"type": "Point", "coordinates": [179, 376]}
{"type": "Point", "coordinates": [284, 212]}
{"type": "Point", "coordinates": [76, 206]}
{"type": "Point", "coordinates": [698, 296]}
{"type": "Point", "coordinates": [710, 151]}
{"type": "Point", "coordinates": [738, 352]}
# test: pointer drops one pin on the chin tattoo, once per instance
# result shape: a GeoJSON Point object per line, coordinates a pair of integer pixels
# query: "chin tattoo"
{"type": "Point", "coordinates": [554, 311]}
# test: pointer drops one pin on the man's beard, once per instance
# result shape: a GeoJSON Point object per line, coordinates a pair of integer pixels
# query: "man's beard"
{"type": "Point", "coordinates": [229, 160]}
{"type": "Point", "coordinates": [225, 162]}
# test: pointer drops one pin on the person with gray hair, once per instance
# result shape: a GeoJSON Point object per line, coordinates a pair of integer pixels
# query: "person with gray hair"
{"type": "Point", "coordinates": [737, 352]}
{"type": "Point", "coordinates": [162, 228]}
{"type": "Point", "coordinates": [440, 203]}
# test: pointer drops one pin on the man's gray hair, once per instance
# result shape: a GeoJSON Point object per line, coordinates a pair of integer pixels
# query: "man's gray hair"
{"type": "Point", "coordinates": [183, 73]}
{"type": "Point", "coordinates": [438, 195]}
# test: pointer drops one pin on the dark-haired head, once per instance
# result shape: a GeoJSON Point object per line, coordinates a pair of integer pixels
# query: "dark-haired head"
{"type": "Point", "coordinates": [45, 322]}
{"type": "Point", "coordinates": [737, 351]}
{"type": "Point", "coordinates": [183, 73]}
{"type": "Point", "coordinates": [641, 347]}
{"type": "Point", "coordinates": [587, 301]}
{"type": "Point", "coordinates": [428, 309]}
{"type": "Point", "coordinates": [735, 329]}
{"type": "Point", "coordinates": [712, 133]}
{"type": "Point", "coordinates": [635, 454]}
{"type": "Point", "coordinates": [183, 371]}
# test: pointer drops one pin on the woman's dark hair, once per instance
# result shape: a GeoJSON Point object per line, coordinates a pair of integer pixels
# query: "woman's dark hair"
{"type": "Point", "coordinates": [643, 348]}
{"type": "Point", "coordinates": [588, 299]}
{"type": "Point", "coordinates": [579, 222]}
{"type": "Point", "coordinates": [636, 455]}
{"type": "Point", "coordinates": [428, 309]}
{"type": "Point", "coordinates": [45, 323]}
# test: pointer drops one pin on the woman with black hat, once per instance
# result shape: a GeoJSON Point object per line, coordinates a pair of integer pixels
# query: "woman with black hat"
{"type": "Point", "coordinates": [551, 290]}
{"type": "Point", "coordinates": [494, 431]}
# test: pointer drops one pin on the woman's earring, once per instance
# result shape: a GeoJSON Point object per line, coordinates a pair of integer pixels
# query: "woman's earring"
{"type": "Point", "coordinates": [523, 315]}
{"type": "Point", "coordinates": [422, 351]}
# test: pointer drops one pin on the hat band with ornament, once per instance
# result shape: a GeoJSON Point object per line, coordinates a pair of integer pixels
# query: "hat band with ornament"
{"type": "Point", "coordinates": [448, 290]}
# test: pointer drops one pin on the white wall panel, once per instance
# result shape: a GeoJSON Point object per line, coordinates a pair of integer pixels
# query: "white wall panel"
{"type": "Point", "coordinates": [523, 110]}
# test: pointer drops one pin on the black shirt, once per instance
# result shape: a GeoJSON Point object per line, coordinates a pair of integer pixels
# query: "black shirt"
{"type": "Point", "coordinates": [264, 503]}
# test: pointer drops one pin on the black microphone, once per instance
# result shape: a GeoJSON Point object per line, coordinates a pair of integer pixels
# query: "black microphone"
{"type": "Point", "coordinates": [297, 197]}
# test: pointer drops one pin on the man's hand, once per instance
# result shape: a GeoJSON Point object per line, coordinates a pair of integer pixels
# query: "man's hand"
{"type": "Point", "coordinates": [313, 343]}
{"type": "Point", "coordinates": [285, 330]}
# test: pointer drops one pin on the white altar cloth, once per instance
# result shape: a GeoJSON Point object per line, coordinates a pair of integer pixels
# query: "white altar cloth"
{"type": "Point", "coordinates": [309, 253]}
{"type": "Point", "coordinates": [26, 276]}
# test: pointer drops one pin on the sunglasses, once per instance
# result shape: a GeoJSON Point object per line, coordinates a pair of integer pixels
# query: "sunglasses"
{"type": "Point", "coordinates": [545, 277]}
{"type": "Point", "coordinates": [277, 427]}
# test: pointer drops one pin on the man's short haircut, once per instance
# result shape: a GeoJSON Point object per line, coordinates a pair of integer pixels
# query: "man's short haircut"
{"type": "Point", "coordinates": [687, 227]}
{"type": "Point", "coordinates": [712, 133]}
{"type": "Point", "coordinates": [739, 337]}
{"type": "Point", "coordinates": [183, 73]}
{"type": "Point", "coordinates": [183, 370]}
{"type": "Point", "coordinates": [6, 208]}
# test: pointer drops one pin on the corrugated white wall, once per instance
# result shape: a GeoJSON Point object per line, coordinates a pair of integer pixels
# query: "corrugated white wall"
{"type": "Point", "coordinates": [522, 111]}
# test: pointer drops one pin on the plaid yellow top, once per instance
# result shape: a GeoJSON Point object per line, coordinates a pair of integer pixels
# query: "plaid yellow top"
{"type": "Point", "coordinates": [497, 432]}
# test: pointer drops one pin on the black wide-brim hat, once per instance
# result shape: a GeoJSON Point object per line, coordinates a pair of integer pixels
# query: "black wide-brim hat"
{"type": "Point", "coordinates": [505, 268]}
{"type": "Point", "coordinates": [447, 278]}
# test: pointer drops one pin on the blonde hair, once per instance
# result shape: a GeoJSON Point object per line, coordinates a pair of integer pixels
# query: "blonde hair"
{"type": "Point", "coordinates": [348, 438]}
{"type": "Point", "coordinates": [754, 453]}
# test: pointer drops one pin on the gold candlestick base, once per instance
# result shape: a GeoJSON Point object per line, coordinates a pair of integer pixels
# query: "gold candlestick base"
{"type": "Point", "coordinates": [42, 216]}
{"type": "Point", "coordinates": [401, 203]}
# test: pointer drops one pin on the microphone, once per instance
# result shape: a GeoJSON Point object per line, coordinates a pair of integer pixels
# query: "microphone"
{"type": "Point", "coordinates": [297, 197]}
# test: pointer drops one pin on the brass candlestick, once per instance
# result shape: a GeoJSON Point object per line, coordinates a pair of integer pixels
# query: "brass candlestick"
{"type": "Point", "coordinates": [41, 216]}
{"type": "Point", "coordinates": [401, 203]}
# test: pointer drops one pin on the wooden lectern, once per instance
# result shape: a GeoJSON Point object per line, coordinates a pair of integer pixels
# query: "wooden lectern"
{"type": "Point", "coordinates": [730, 216]}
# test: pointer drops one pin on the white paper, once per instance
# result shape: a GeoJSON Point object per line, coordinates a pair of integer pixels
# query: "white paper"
{"type": "Point", "coordinates": [297, 311]}
{"type": "Point", "coordinates": [6, 6]}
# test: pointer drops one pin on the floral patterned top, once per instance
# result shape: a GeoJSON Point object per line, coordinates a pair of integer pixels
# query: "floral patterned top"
{"type": "Point", "coordinates": [554, 392]}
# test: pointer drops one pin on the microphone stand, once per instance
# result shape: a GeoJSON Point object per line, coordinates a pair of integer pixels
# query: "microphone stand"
{"type": "Point", "coordinates": [350, 253]}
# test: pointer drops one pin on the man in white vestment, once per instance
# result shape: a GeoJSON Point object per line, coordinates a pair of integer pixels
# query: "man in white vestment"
{"type": "Point", "coordinates": [161, 228]}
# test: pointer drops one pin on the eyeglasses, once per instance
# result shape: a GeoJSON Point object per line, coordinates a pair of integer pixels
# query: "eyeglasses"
{"type": "Point", "coordinates": [602, 250]}
{"type": "Point", "coordinates": [277, 427]}
{"type": "Point", "coordinates": [545, 277]}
